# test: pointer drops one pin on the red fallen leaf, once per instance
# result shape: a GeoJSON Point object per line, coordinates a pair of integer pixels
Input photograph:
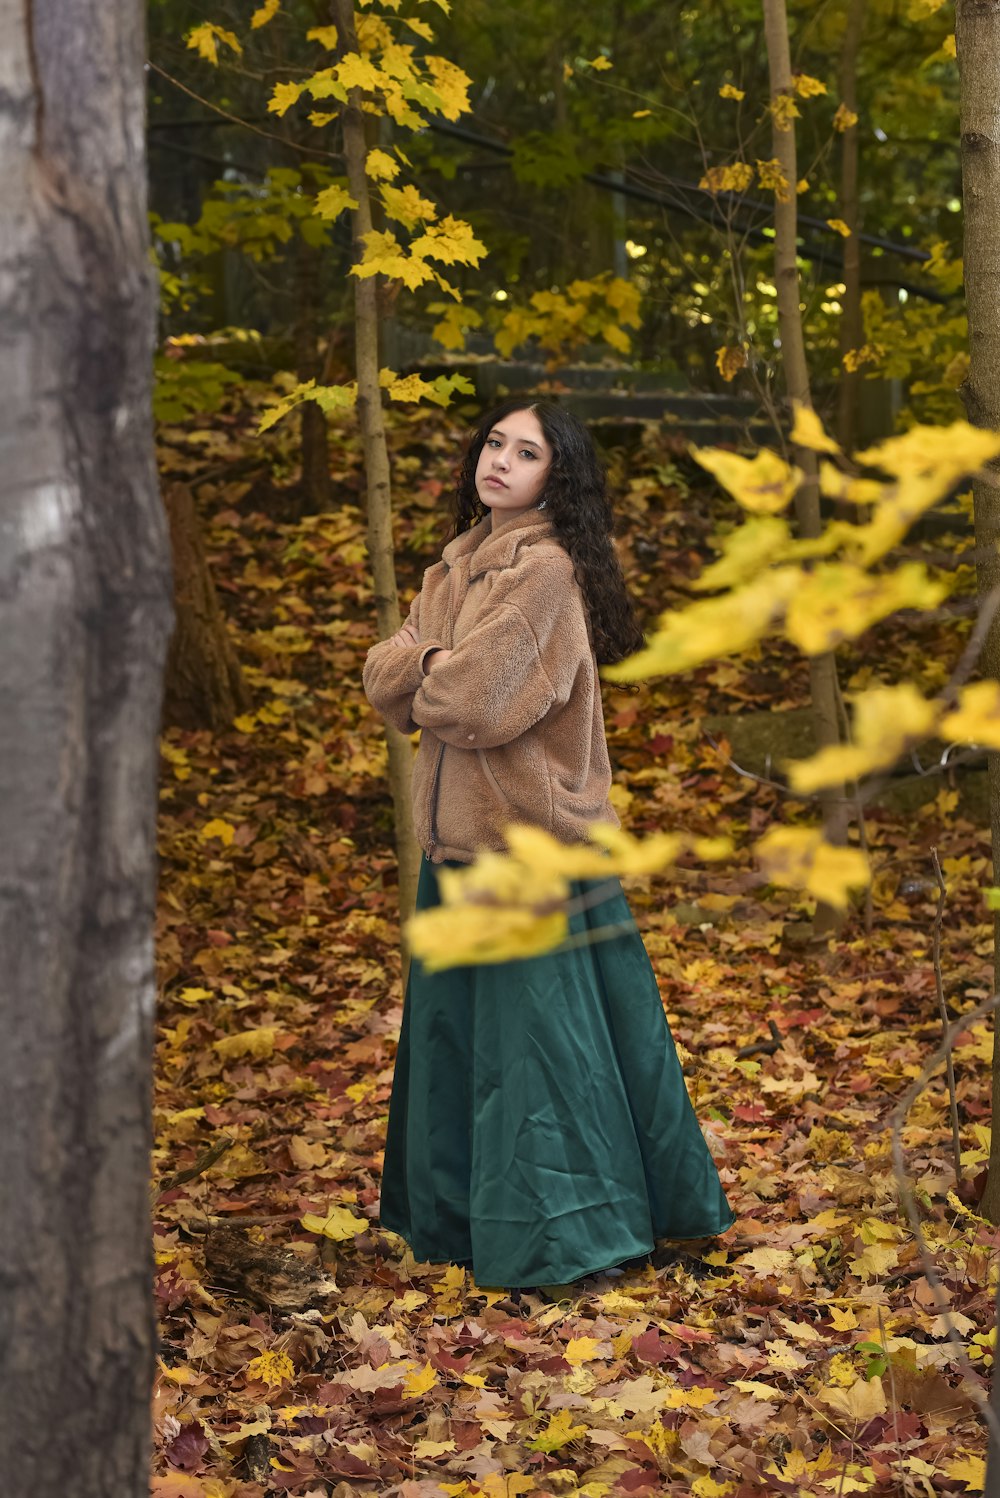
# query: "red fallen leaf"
{"type": "Point", "coordinates": [557, 1364]}
{"type": "Point", "coordinates": [637, 1478]}
{"type": "Point", "coordinates": [750, 1112]}
{"type": "Point", "coordinates": [333, 1394]}
{"type": "Point", "coordinates": [219, 938]}
{"type": "Point", "coordinates": [650, 1347]}
{"type": "Point", "coordinates": [188, 1448]}
{"type": "Point", "coordinates": [860, 1084]}
{"type": "Point", "coordinates": [346, 1464]}
{"type": "Point", "coordinates": [444, 1362]}
{"type": "Point", "coordinates": [660, 743]}
{"type": "Point", "coordinates": [799, 1018]}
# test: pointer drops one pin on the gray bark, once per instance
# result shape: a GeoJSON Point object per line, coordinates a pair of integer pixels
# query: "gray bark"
{"type": "Point", "coordinates": [84, 618]}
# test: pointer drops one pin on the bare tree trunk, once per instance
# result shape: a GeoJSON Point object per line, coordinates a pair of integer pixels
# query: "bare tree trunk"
{"type": "Point", "coordinates": [84, 620]}
{"type": "Point", "coordinates": [204, 684]}
{"type": "Point", "coordinates": [822, 669]}
{"type": "Point", "coordinates": [316, 489]}
{"type": "Point", "coordinates": [851, 325]}
{"type": "Point", "coordinates": [977, 33]}
{"type": "Point", "coordinates": [381, 549]}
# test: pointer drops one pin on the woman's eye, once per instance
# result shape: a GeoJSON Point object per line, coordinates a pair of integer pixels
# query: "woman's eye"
{"type": "Point", "coordinates": [527, 453]}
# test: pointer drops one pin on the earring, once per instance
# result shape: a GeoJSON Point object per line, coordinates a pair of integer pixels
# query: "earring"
{"type": "Point", "coordinates": [541, 504]}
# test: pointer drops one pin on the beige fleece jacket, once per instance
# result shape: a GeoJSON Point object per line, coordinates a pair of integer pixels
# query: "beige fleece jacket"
{"type": "Point", "coordinates": [512, 727]}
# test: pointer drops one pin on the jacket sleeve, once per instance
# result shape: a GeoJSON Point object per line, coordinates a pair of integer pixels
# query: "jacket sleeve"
{"type": "Point", "coordinates": [392, 673]}
{"type": "Point", "coordinates": [518, 661]}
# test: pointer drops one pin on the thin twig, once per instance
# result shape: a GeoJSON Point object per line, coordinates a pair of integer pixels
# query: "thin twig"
{"type": "Point", "coordinates": [234, 119]}
{"type": "Point", "coordinates": [898, 1118]}
{"type": "Point", "coordinates": [956, 1143]}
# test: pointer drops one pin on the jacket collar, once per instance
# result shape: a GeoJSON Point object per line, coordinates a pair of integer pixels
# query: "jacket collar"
{"type": "Point", "coordinates": [488, 552]}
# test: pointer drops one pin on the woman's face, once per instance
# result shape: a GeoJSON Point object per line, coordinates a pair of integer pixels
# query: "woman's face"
{"type": "Point", "coordinates": [513, 465]}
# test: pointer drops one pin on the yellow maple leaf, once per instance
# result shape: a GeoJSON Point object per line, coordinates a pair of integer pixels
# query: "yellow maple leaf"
{"type": "Point", "coordinates": [763, 484]}
{"type": "Point", "coordinates": [558, 1433]}
{"type": "Point", "coordinates": [968, 1469]}
{"type": "Point", "coordinates": [747, 550]}
{"type": "Point", "coordinates": [271, 1368]}
{"type": "Point", "coordinates": [843, 1319]}
{"type": "Point", "coordinates": [838, 601]}
{"type": "Point", "coordinates": [193, 995]}
{"type": "Point", "coordinates": [601, 63]}
{"type": "Point", "coordinates": [807, 430]}
{"type": "Point", "coordinates": [355, 71]}
{"type": "Point", "coordinates": [452, 241]}
{"type": "Point", "coordinates": [384, 255]}
{"type": "Point", "coordinates": [736, 177]}
{"type": "Point", "coordinates": [380, 166]}
{"type": "Point", "coordinates": [861, 1402]}
{"type": "Point", "coordinates": [784, 110]}
{"type": "Point", "coordinates": [707, 1487]}
{"type": "Point", "coordinates": [257, 1044]}
{"type": "Point", "coordinates": [887, 720]}
{"type": "Point", "coordinates": [877, 1259]}
{"type": "Point", "coordinates": [807, 87]}
{"type": "Point", "coordinates": [419, 1381]}
{"type": "Point", "coordinates": [283, 96]}
{"type": "Point", "coordinates": [710, 628]}
{"type": "Point", "coordinates": [954, 450]}
{"type": "Point", "coordinates": [770, 175]}
{"type": "Point", "coordinates": [488, 934]}
{"type": "Point", "coordinates": [325, 35]}
{"type": "Point", "coordinates": [581, 1349]}
{"type": "Point", "coordinates": [406, 205]}
{"type": "Point", "coordinates": [729, 361]}
{"type": "Point", "coordinates": [800, 858]}
{"type": "Point", "coordinates": [844, 118]}
{"type": "Point", "coordinates": [205, 39]}
{"type": "Point", "coordinates": [694, 1398]}
{"type": "Point", "coordinates": [730, 91]}
{"type": "Point", "coordinates": [976, 719]}
{"type": "Point", "coordinates": [840, 227]}
{"type": "Point", "coordinates": [264, 13]}
{"type": "Point", "coordinates": [339, 1224]}
{"type": "Point", "coordinates": [331, 202]}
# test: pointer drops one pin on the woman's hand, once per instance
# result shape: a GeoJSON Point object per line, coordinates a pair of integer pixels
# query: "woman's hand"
{"type": "Point", "coordinates": [405, 635]}
{"type": "Point", "coordinates": [437, 655]}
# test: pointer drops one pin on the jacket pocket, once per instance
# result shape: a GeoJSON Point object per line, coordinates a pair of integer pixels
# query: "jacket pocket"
{"type": "Point", "coordinates": [494, 782]}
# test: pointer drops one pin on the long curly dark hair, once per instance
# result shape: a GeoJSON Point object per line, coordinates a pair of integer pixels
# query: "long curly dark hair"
{"type": "Point", "coordinates": [576, 497]}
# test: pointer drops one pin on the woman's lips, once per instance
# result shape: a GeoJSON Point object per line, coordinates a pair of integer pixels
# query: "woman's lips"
{"type": "Point", "coordinates": [497, 483]}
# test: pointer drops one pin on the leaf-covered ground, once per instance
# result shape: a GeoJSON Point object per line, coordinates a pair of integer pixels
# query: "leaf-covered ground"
{"type": "Point", "coordinates": [307, 1353]}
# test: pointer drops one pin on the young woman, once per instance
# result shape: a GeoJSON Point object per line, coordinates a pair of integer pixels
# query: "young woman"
{"type": "Point", "coordinates": [539, 1127]}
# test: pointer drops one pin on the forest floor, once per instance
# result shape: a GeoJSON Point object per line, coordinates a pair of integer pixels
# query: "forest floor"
{"type": "Point", "coordinates": [806, 1351]}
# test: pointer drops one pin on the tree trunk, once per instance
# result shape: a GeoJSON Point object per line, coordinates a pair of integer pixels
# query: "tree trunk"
{"type": "Point", "coordinates": [851, 325]}
{"type": "Point", "coordinates": [84, 620]}
{"type": "Point", "coordinates": [317, 494]}
{"type": "Point", "coordinates": [204, 686]}
{"type": "Point", "coordinates": [824, 691]}
{"type": "Point", "coordinates": [977, 33]}
{"type": "Point", "coordinates": [379, 497]}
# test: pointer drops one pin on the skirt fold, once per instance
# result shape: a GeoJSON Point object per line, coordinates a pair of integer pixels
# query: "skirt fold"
{"type": "Point", "coordinates": [539, 1127]}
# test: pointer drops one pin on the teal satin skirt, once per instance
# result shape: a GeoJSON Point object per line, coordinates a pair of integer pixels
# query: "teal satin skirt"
{"type": "Point", "coordinates": [539, 1125]}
